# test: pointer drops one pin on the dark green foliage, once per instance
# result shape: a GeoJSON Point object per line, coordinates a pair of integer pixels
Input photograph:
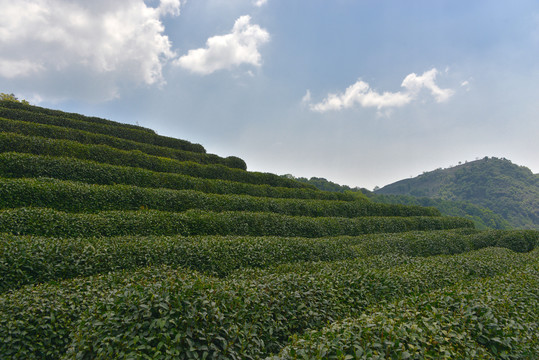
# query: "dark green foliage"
{"type": "Point", "coordinates": [82, 197]}
{"type": "Point", "coordinates": [182, 260]}
{"type": "Point", "coordinates": [494, 318]}
{"type": "Point", "coordinates": [509, 190]}
{"type": "Point", "coordinates": [85, 137]}
{"type": "Point", "coordinates": [119, 130]}
{"type": "Point", "coordinates": [160, 312]}
{"type": "Point", "coordinates": [47, 222]}
{"type": "Point", "coordinates": [74, 116]}
{"type": "Point", "coordinates": [420, 243]}
{"type": "Point", "coordinates": [36, 145]}
{"type": "Point", "coordinates": [482, 217]}
{"type": "Point", "coordinates": [26, 259]}
{"type": "Point", "coordinates": [20, 165]}
{"type": "Point", "coordinates": [324, 184]}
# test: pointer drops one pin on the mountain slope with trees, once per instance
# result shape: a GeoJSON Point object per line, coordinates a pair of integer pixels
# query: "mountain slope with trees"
{"type": "Point", "coordinates": [509, 190]}
{"type": "Point", "coordinates": [483, 218]}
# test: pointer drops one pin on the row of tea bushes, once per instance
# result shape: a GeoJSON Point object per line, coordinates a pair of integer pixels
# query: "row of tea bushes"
{"type": "Point", "coordinates": [48, 222]}
{"type": "Point", "coordinates": [161, 312]}
{"type": "Point", "coordinates": [446, 242]}
{"type": "Point", "coordinates": [81, 197]}
{"type": "Point", "coordinates": [85, 137]}
{"type": "Point", "coordinates": [493, 318]}
{"type": "Point", "coordinates": [37, 145]}
{"type": "Point", "coordinates": [119, 130]}
{"type": "Point", "coordinates": [91, 119]}
{"type": "Point", "coordinates": [27, 165]}
{"type": "Point", "coordinates": [29, 259]}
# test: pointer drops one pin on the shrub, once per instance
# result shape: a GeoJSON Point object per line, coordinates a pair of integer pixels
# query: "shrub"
{"type": "Point", "coordinates": [158, 311]}
{"type": "Point", "coordinates": [63, 168]}
{"type": "Point", "coordinates": [81, 197]}
{"type": "Point", "coordinates": [85, 137]}
{"type": "Point", "coordinates": [47, 222]}
{"type": "Point", "coordinates": [492, 318]}
{"type": "Point", "coordinates": [10, 142]}
{"type": "Point", "coordinates": [29, 259]}
{"type": "Point", "coordinates": [117, 129]}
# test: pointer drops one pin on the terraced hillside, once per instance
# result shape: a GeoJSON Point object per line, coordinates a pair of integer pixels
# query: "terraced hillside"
{"type": "Point", "coordinates": [116, 242]}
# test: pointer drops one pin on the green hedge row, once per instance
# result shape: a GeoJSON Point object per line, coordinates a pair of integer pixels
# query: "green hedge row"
{"type": "Point", "coordinates": [48, 222]}
{"type": "Point", "coordinates": [495, 318]}
{"type": "Point", "coordinates": [29, 259]}
{"type": "Point", "coordinates": [81, 197]}
{"type": "Point", "coordinates": [63, 168]}
{"type": "Point", "coordinates": [446, 242]}
{"type": "Point", "coordinates": [164, 313]}
{"type": "Point", "coordinates": [118, 130]}
{"type": "Point", "coordinates": [85, 137]}
{"type": "Point", "coordinates": [10, 142]}
{"type": "Point", "coordinates": [62, 114]}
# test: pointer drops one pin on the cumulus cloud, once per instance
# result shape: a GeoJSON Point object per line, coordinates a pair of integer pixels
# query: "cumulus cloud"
{"type": "Point", "coordinates": [362, 94]}
{"type": "Point", "coordinates": [238, 47]}
{"type": "Point", "coordinates": [101, 41]}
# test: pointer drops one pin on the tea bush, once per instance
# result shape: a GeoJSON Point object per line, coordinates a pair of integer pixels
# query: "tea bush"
{"type": "Point", "coordinates": [36, 145]}
{"type": "Point", "coordinates": [160, 312]}
{"type": "Point", "coordinates": [447, 242]}
{"type": "Point", "coordinates": [91, 119]}
{"type": "Point", "coordinates": [119, 130]}
{"type": "Point", "coordinates": [48, 222]}
{"type": "Point", "coordinates": [492, 318]}
{"type": "Point", "coordinates": [29, 259]}
{"type": "Point", "coordinates": [81, 197]}
{"type": "Point", "coordinates": [27, 165]}
{"type": "Point", "coordinates": [85, 137]}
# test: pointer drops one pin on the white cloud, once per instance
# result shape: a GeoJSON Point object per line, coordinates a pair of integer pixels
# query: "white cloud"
{"type": "Point", "coordinates": [114, 42]}
{"type": "Point", "coordinates": [415, 83]}
{"type": "Point", "coordinates": [259, 3]}
{"type": "Point", "coordinates": [12, 69]}
{"type": "Point", "coordinates": [361, 93]}
{"type": "Point", "coordinates": [238, 47]}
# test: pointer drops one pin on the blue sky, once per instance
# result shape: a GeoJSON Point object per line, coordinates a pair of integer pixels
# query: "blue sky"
{"type": "Point", "coordinates": [363, 93]}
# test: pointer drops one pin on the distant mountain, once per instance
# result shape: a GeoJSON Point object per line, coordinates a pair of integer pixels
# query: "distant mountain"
{"type": "Point", "coordinates": [509, 190]}
{"type": "Point", "coordinates": [483, 218]}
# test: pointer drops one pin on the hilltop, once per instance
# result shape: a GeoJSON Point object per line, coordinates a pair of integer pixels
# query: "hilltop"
{"type": "Point", "coordinates": [483, 218]}
{"type": "Point", "coordinates": [507, 189]}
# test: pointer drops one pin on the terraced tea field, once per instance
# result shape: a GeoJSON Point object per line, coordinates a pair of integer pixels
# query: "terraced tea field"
{"type": "Point", "coordinates": [116, 242]}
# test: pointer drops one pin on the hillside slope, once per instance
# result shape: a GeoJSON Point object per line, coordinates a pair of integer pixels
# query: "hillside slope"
{"type": "Point", "coordinates": [507, 189]}
{"type": "Point", "coordinates": [118, 243]}
{"type": "Point", "coordinates": [483, 218]}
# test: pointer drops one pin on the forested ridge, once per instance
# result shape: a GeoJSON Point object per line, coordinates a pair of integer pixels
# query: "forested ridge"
{"type": "Point", "coordinates": [507, 189]}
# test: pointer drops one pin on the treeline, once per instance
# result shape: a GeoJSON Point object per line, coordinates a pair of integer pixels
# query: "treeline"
{"type": "Point", "coordinates": [482, 217]}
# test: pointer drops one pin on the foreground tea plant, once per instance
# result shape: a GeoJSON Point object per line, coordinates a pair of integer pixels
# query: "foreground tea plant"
{"type": "Point", "coordinates": [165, 313]}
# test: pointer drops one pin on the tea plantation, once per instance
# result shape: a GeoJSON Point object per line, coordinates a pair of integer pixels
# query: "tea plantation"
{"type": "Point", "coordinates": [119, 243]}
